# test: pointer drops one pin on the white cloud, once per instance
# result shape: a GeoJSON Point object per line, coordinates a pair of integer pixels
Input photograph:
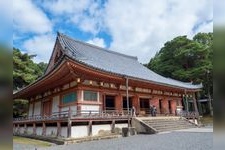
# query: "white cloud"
{"type": "Point", "coordinates": [59, 7]}
{"type": "Point", "coordinates": [85, 14]}
{"type": "Point", "coordinates": [98, 42]}
{"type": "Point", "coordinates": [41, 45]}
{"type": "Point", "coordinates": [27, 17]}
{"type": "Point", "coordinates": [205, 27]}
{"type": "Point", "coordinates": [140, 28]}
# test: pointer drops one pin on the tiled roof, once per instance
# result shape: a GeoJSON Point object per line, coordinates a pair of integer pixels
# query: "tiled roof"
{"type": "Point", "coordinates": [114, 62]}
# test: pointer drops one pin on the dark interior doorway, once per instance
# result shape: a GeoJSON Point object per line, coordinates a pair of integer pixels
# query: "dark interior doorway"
{"type": "Point", "coordinates": [170, 107]}
{"type": "Point", "coordinates": [160, 106]}
{"type": "Point", "coordinates": [109, 102]}
{"type": "Point", "coordinates": [144, 105]}
{"type": "Point", "coordinates": [125, 103]}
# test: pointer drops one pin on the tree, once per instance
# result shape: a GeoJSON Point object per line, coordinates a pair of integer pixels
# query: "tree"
{"type": "Point", "coordinates": [25, 72]}
{"type": "Point", "coordinates": [188, 60]}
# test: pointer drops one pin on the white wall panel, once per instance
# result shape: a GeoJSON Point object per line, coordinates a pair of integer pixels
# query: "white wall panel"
{"type": "Point", "coordinates": [30, 112]}
{"type": "Point", "coordinates": [37, 108]}
{"type": "Point", "coordinates": [51, 130]}
{"type": "Point", "coordinates": [64, 131]}
{"type": "Point", "coordinates": [55, 104]}
{"type": "Point", "coordinates": [79, 131]}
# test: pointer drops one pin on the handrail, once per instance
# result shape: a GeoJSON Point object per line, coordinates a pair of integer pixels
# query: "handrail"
{"type": "Point", "coordinates": [188, 114]}
{"type": "Point", "coordinates": [69, 114]}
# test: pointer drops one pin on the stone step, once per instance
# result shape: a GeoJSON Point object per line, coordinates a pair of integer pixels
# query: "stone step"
{"type": "Point", "coordinates": [152, 121]}
{"type": "Point", "coordinates": [172, 129]}
{"type": "Point", "coordinates": [162, 127]}
{"type": "Point", "coordinates": [164, 124]}
{"type": "Point", "coordinates": [159, 126]}
{"type": "Point", "coordinates": [164, 120]}
{"type": "Point", "coordinates": [169, 124]}
{"type": "Point", "coordinates": [175, 122]}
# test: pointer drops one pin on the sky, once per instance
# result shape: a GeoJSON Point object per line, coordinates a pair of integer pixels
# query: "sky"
{"type": "Point", "coordinates": [133, 27]}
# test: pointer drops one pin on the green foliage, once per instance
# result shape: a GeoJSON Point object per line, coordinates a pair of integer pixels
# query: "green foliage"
{"type": "Point", "coordinates": [20, 108]}
{"type": "Point", "coordinates": [25, 72]}
{"type": "Point", "coordinates": [188, 60]}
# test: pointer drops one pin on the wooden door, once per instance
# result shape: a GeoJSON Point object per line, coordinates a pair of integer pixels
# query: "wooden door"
{"type": "Point", "coordinates": [46, 108]}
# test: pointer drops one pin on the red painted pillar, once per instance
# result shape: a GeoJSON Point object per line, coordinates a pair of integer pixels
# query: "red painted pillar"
{"type": "Point", "coordinates": [118, 103]}
{"type": "Point", "coordinates": [135, 102]}
{"type": "Point", "coordinates": [155, 101]}
{"type": "Point", "coordinates": [173, 106]}
{"type": "Point", "coordinates": [165, 106]}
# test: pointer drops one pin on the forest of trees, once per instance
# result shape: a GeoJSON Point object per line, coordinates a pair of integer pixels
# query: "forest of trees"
{"type": "Point", "coordinates": [188, 60]}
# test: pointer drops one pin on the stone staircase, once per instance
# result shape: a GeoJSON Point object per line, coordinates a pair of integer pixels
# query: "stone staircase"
{"type": "Point", "coordinates": [163, 124]}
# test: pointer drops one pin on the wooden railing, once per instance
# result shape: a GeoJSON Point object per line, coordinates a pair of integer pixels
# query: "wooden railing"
{"type": "Point", "coordinates": [76, 115]}
{"type": "Point", "coordinates": [188, 114]}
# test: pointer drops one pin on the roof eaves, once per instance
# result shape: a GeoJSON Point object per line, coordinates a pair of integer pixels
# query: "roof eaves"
{"type": "Point", "coordinates": [131, 77]}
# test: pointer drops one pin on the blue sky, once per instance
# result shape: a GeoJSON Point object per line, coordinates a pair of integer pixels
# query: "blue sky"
{"type": "Point", "coordinates": [138, 28]}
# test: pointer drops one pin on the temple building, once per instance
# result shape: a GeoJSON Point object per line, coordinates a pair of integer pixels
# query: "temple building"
{"type": "Point", "coordinates": [85, 79]}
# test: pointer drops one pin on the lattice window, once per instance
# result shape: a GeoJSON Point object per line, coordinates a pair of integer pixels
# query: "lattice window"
{"type": "Point", "coordinates": [68, 98]}
{"type": "Point", "coordinates": [90, 96]}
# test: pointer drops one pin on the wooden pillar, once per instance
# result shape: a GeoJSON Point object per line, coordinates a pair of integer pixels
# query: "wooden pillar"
{"type": "Point", "coordinates": [101, 100]}
{"type": "Point", "coordinates": [18, 128]}
{"type": "Point", "coordinates": [118, 101]}
{"type": "Point", "coordinates": [173, 106]}
{"type": "Point", "coordinates": [113, 126]}
{"type": "Point", "coordinates": [14, 128]}
{"type": "Point", "coordinates": [135, 103]}
{"type": "Point", "coordinates": [58, 129]}
{"type": "Point", "coordinates": [25, 128]}
{"type": "Point", "coordinates": [69, 127]}
{"type": "Point", "coordinates": [43, 129]}
{"type": "Point", "coordinates": [34, 129]}
{"type": "Point", "coordinates": [155, 102]}
{"type": "Point", "coordinates": [89, 128]}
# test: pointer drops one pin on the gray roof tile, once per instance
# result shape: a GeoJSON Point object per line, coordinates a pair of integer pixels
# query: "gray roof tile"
{"type": "Point", "coordinates": [114, 62]}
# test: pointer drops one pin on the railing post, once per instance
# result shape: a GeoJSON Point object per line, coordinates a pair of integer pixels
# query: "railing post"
{"type": "Point", "coordinates": [113, 126]}
{"type": "Point", "coordinates": [58, 129]}
{"type": "Point", "coordinates": [90, 128]}
{"type": "Point", "coordinates": [18, 128]}
{"type": "Point", "coordinates": [43, 129]}
{"type": "Point", "coordinates": [69, 126]}
{"type": "Point", "coordinates": [34, 129]}
{"type": "Point", "coordinates": [25, 128]}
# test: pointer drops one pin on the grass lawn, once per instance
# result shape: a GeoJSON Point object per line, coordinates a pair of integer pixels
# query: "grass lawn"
{"type": "Point", "coordinates": [28, 141]}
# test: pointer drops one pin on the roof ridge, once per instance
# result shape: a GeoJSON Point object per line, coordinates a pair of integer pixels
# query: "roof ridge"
{"type": "Point", "coordinates": [99, 48]}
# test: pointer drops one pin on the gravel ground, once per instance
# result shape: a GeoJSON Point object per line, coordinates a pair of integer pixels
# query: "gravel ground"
{"type": "Point", "coordinates": [18, 146]}
{"type": "Point", "coordinates": [178, 140]}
